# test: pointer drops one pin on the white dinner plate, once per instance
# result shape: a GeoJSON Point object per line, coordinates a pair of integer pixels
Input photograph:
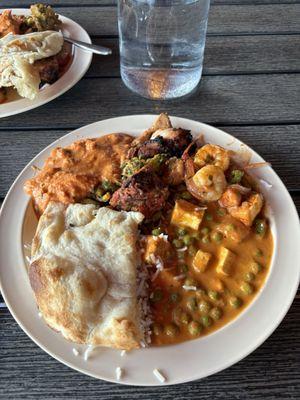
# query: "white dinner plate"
{"type": "Point", "coordinates": [78, 67]}
{"type": "Point", "coordinates": [181, 362]}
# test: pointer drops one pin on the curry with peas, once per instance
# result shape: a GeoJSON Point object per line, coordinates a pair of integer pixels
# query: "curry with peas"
{"type": "Point", "coordinates": [205, 243]}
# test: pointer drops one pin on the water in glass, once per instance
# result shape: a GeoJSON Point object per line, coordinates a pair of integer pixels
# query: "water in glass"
{"type": "Point", "coordinates": [162, 45]}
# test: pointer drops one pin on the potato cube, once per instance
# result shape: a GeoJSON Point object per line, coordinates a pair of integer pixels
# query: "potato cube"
{"type": "Point", "coordinates": [226, 258]}
{"type": "Point", "coordinates": [201, 260]}
{"type": "Point", "coordinates": [186, 215]}
{"type": "Point", "coordinates": [157, 247]}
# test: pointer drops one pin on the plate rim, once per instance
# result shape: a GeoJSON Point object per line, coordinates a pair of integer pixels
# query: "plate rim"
{"type": "Point", "coordinates": [84, 56]}
{"type": "Point", "coordinates": [231, 362]}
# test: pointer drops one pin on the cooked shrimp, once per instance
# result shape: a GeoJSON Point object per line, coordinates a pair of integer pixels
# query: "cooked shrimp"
{"type": "Point", "coordinates": [230, 198]}
{"type": "Point", "coordinates": [248, 210]}
{"type": "Point", "coordinates": [210, 182]}
{"type": "Point", "coordinates": [214, 155]}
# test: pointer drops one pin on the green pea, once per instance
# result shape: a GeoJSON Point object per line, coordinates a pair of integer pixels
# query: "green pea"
{"type": "Point", "coordinates": [171, 330]}
{"type": "Point", "coordinates": [191, 304]}
{"type": "Point", "coordinates": [235, 302]}
{"type": "Point", "coordinates": [208, 217]}
{"type": "Point", "coordinates": [204, 306]}
{"type": "Point", "coordinates": [190, 282]}
{"type": "Point", "coordinates": [230, 227]}
{"type": "Point", "coordinates": [260, 226]}
{"type": "Point", "coordinates": [185, 318]}
{"type": "Point", "coordinates": [194, 328]}
{"type": "Point", "coordinates": [206, 321]}
{"type": "Point", "coordinates": [206, 239]}
{"type": "Point", "coordinates": [221, 212]}
{"type": "Point", "coordinates": [192, 250]}
{"type": "Point", "coordinates": [205, 230]}
{"type": "Point", "coordinates": [157, 329]}
{"type": "Point", "coordinates": [187, 240]}
{"type": "Point", "coordinates": [177, 243]}
{"type": "Point", "coordinates": [212, 294]}
{"type": "Point", "coordinates": [181, 231]}
{"type": "Point", "coordinates": [256, 268]}
{"type": "Point", "coordinates": [259, 253]}
{"type": "Point", "coordinates": [156, 232]}
{"type": "Point", "coordinates": [236, 176]}
{"type": "Point", "coordinates": [216, 313]}
{"type": "Point", "coordinates": [186, 195]}
{"type": "Point", "coordinates": [246, 288]}
{"type": "Point", "coordinates": [175, 297]}
{"type": "Point", "coordinates": [249, 277]}
{"type": "Point", "coordinates": [217, 236]}
{"type": "Point", "coordinates": [156, 295]}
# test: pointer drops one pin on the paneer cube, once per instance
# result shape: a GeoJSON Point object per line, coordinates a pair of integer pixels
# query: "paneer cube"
{"type": "Point", "coordinates": [156, 246]}
{"type": "Point", "coordinates": [226, 258]}
{"type": "Point", "coordinates": [233, 229]}
{"type": "Point", "coordinates": [186, 215]}
{"type": "Point", "coordinates": [249, 209]}
{"type": "Point", "coordinates": [201, 260]}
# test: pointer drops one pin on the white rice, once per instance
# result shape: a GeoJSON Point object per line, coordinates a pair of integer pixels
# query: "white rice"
{"type": "Point", "coordinates": [87, 353]}
{"type": "Point", "coordinates": [143, 278]}
{"type": "Point", "coordinates": [159, 375]}
{"type": "Point", "coordinates": [186, 287]}
{"type": "Point", "coordinates": [182, 249]}
{"type": "Point", "coordinates": [75, 352]}
{"type": "Point", "coordinates": [119, 373]}
{"type": "Point", "coordinates": [179, 277]}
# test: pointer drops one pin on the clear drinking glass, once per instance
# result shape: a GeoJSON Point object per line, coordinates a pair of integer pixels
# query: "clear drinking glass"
{"type": "Point", "coordinates": [161, 45]}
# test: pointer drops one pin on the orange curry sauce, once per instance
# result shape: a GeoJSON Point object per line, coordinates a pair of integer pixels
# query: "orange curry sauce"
{"type": "Point", "coordinates": [181, 314]}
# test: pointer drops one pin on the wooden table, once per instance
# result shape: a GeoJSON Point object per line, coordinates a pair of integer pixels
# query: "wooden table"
{"type": "Point", "coordinates": [250, 88]}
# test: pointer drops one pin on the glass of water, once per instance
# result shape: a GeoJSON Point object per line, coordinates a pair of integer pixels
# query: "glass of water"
{"type": "Point", "coordinates": [161, 45]}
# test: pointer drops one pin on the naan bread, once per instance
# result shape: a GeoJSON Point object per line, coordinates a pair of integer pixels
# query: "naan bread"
{"type": "Point", "coordinates": [18, 54]}
{"type": "Point", "coordinates": [83, 273]}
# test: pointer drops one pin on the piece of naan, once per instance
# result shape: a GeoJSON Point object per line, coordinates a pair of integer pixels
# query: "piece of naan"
{"type": "Point", "coordinates": [83, 272]}
{"type": "Point", "coordinates": [18, 54]}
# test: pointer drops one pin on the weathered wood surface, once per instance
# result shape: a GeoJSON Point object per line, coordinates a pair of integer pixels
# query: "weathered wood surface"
{"type": "Point", "coordinates": [250, 89]}
{"type": "Point", "coordinates": [224, 55]}
{"type": "Point", "coordinates": [227, 100]}
{"type": "Point", "coordinates": [230, 19]}
{"type": "Point", "coordinates": [271, 372]}
{"type": "Point", "coordinates": [274, 143]}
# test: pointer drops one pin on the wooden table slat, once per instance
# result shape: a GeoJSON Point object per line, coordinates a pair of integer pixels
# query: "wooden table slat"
{"type": "Point", "coordinates": [222, 100]}
{"type": "Point", "coordinates": [101, 3]}
{"type": "Point", "coordinates": [231, 19]}
{"type": "Point", "coordinates": [223, 55]}
{"type": "Point", "coordinates": [32, 374]}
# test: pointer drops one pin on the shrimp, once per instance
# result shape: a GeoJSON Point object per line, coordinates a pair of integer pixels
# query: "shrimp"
{"type": "Point", "coordinates": [210, 182]}
{"type": "Point", "coordinates": [248, 210]}
{"type": "Point", "coordinates": [214, 155]}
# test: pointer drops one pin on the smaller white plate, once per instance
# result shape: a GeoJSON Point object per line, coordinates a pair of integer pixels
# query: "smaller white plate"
{"type": "Point", "coordinates": [80, 63]}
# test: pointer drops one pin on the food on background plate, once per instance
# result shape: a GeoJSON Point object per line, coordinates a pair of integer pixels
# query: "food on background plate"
{"type": "Point", "coordinates": [32, 51]}
{"type": "Point", "coordinates": [204, 245]}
